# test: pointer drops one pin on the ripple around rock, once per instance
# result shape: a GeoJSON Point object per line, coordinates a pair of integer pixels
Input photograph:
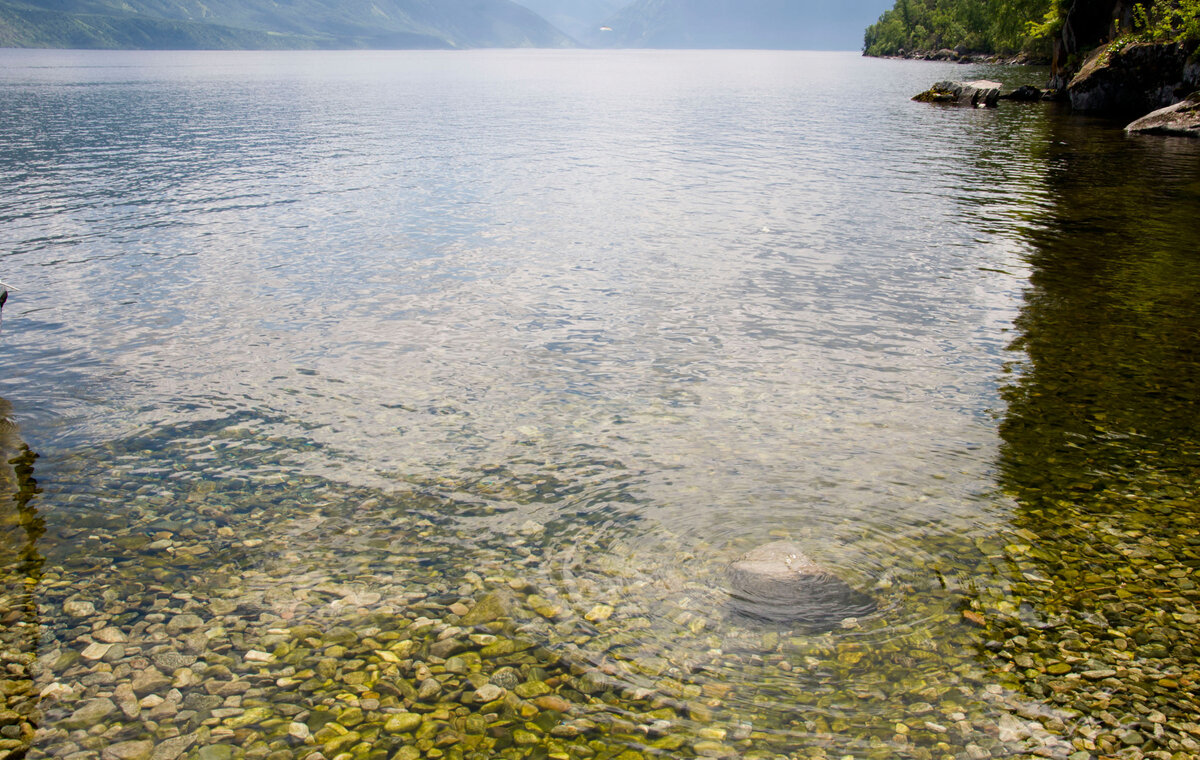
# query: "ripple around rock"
{"type": "Point", "coordinates": [778, 582]}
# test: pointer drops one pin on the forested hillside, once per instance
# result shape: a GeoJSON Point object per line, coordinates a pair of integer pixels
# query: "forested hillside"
{"type": "Point", "coordinates": [1029, 26]}
{"type": "Point", "coordinates": [993, 26]}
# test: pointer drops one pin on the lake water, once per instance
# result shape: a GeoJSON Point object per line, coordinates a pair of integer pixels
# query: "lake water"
{"type": "Point", "coordinates": [398, 405]}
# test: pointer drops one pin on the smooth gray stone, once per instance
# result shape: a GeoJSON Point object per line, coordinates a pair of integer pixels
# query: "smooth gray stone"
{"type": "Point", "coordinates": [1181, 119]}
{"type": "Point", "coordinates": [778, 582]}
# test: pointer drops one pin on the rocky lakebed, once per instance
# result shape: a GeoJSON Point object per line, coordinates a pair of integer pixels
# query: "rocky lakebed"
{"type": "Point", "coordinates": [275, 617]}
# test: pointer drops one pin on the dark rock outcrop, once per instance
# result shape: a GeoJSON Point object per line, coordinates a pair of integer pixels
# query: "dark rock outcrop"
{"type": "Point", "coordinates": [1025, 94]}
{"type": "Point", "coordinates": [1087, 24]}
{"type": "Point", "coordinates": [778, 582]}
{"type": "Point", "coordinates": [1181, 119]}
{"type": "Point", "coordinates": [978, 94]}
{"type": "Point", "coordinates": [1135, 79]}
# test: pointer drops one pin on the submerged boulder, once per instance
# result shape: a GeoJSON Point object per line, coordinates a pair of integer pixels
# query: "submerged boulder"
{"type": "Point", "coordinates": [778, 582]}
{"type": "Point", "coordinates": [977, 94]}
{"type": "Point", "coordinates": [1181, 119]}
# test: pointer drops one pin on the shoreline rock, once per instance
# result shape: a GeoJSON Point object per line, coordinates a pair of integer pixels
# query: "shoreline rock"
{"type": "Point", "coordinates": [1027, 94]}
{"type": "Point", "coordinates": [946, 55]}
{"type": "Point", "coordinates": [1181, 119]}
{"type": "Point", "coordinates": [977, 94]}
{"type": "Point", "coordinates": [1137, 78]}
{"type": "Point", "coordinates": [1115, 80]}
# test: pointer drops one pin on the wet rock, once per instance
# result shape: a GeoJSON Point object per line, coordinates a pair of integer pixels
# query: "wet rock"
{"type": "Point", "coordinates": [173, 748]}
{"type": "Point", "coordinates": [488, 609]}
{"type": "Point", "coordinates": [130, 750]}
{"type": "Point", "coordinates": [170, 661]}
{"type": "Point", "coordinates": [127, 701]}
{"type": "Point", "coordinates": [335, 746]}
{"type": "Point", "coordinates": [184, 622]}
{"type": "Point", "coordinates": [96, 651]}
{"type": "Point", "coordinates": [403, 723]}
{"type": "Point", "coordinates": [90, 713]}
{"type": "Point", "coordinates": [429, 689]}
{"type": "Point", "coordinates": [252, 716]}
{"type": "Point", "coordinates": [215, 752]}
{"type": "Point", "coordinates": [1025, 94]}
{"type": "Point", "coordinates": [227, 688]}
{"type": "Point", "coordinates": [506, 677]}
{"type": "Point", "coordinates": [79, 608]}
{"type": "Point", "coordinates": [489, 693]}
{"type": "Point", "coordinates": [1181, 119]}
{"type": "Point", "coordinates": [201, 702]}
{"type": "Point", "coordinates": [447, 647]}
{"type": "Point", "coordinates": [300, 731]}
{"type": "Point", "coordinates": [599, 613]}
{"type": "Point", "coordinates": [149, 681]}
{"type": "Point", "coordinates": [977, 94]}
{"type": "Point", "coordinates": [531, 689]}
{"type": "Point", "coordinates": [552, 702]}
{"type": "Point", "coordinates": [779, 582]}
{"type": "Point", "coordinates": [110, 635]}
{"type": "Point", "coordinates": [351, 717]}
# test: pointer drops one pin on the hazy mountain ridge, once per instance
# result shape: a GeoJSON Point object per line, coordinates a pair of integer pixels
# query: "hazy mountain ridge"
{"type": "Point", "coordinates": [267, 24]}
{"type": "Point", "coordinates": [581, 19]}
{"type": "Point", "coordinates": [389, 24]}
{"type": "Point", "coordinates": [765, 24]}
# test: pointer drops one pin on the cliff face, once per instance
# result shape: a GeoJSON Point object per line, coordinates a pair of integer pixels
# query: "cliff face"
{"type": "Point", "coordinates": [1101, 76]}
{"type": "Point", "coordinates": [1088, 23]}
{"type": "Point", "coordinates": [1136, 79]}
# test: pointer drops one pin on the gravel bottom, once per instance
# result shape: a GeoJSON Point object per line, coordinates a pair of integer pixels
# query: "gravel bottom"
{"type": "Point", "coordinates": [157, 614]}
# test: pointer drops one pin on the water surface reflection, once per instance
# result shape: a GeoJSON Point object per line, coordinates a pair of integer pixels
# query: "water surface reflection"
{"type": "Point", "coordinates": [1101, 445]}
{"type": "Point", "coordinates": [401, 426]}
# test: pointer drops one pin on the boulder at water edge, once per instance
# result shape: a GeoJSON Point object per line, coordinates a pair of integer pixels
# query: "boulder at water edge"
{"type": "Point", "coordinates": [1133, 79]}
{"type": "Point", "coordinates": [778, 582]}
{"type": "Point", "coordinates": [1025, 94]}
{"type": "Point", "coordinates": [1180, 119]}
{"type": "Point", "coordinates": [978, 94]}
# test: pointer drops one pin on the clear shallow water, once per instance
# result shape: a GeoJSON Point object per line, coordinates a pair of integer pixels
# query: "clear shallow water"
{"type": "Point", "coordinates": [357, 333]}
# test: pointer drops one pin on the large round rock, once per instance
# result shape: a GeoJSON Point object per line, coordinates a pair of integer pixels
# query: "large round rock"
{"type": "Point", "coordinates": [778, 582]}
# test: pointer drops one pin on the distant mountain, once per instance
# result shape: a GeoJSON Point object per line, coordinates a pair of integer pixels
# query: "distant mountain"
{"type": "Point", "coordinates": [581, 19]}
{"type": "Point", "coordinates": [751, 24]}
{"type": "Point", "coordinates": [186, 24]}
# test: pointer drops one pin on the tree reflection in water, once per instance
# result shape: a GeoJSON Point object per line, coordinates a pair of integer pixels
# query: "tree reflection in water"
{"type": "Point", "coordinates": [1102, 445]}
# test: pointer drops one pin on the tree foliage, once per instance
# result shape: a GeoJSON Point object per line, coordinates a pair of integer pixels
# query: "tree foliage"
{"type": "Point", "coordinates": [1163, 21]}
{"type": "Point", "coordinates": [1012, 26]}
{"type": "Point", "coordinates": [980, 26]}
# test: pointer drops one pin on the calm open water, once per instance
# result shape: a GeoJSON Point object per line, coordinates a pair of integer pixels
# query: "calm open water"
{"type": "Point", "coordinates": [353, 338]}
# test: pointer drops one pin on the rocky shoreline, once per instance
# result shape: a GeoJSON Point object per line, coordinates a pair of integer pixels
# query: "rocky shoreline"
{"type": "Point", "coordinates": [964, 56]}
{"type": "Point", "coordinates": [1148, 82]}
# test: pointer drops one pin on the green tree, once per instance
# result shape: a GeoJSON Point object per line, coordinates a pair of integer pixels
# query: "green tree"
{"type": "Point", "coordinates": [982, 26]}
